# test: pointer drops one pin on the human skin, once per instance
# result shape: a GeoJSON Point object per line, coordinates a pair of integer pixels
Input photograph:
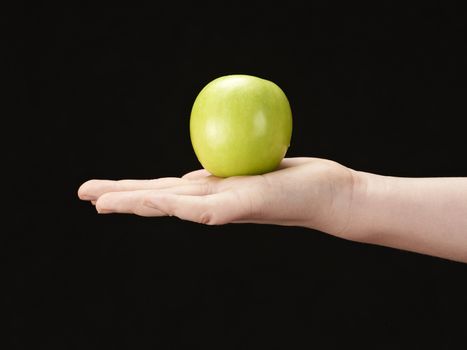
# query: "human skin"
{"type": "Point", "coordinates": [423, 215]}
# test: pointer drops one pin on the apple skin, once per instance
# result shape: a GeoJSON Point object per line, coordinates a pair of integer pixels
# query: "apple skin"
{"type": "Point", "coordinates": [240, 125]}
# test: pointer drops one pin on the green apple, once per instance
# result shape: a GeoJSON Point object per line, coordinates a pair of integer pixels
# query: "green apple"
{"type": "Point", "coordinates": [240, 125]}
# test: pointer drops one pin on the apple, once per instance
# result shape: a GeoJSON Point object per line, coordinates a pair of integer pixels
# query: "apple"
{"type": "Point", "coordinates": [240, 125]}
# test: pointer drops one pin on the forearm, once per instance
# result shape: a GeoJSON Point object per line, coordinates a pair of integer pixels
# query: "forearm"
{"type": "Point", "coordinates": [425, 215]}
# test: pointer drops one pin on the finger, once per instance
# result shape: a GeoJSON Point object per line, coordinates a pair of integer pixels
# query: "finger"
{"type": "Point", "coordinates": [196, 174]}
{"type": "Point", "coordinates": [215, 209]}
{"type": "Point", "coordinates": [133, 202]}
{"type": "Point", "coordinates": [93, 189]}
{"type": "Point", "coordinates": [126, 202]}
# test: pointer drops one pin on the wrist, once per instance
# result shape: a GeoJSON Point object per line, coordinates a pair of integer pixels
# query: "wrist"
{"type": "Point", "coordinates": [352, 200]}
{"type": "Point", "coordinates": [336, 210]}
{"type": "Point", "coordinates": [367, 208]}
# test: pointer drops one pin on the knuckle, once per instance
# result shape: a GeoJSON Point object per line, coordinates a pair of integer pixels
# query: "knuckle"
{"type": "Point", "coordinates": [146, 201]}
{"type": "Point", "coordinates": [207, 187]}
{"type": "Point", "coordinates": [208, 218]}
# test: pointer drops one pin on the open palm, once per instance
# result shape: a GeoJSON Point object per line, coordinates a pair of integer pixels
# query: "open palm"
{"type": "Point", "coordinates": [301, 192]}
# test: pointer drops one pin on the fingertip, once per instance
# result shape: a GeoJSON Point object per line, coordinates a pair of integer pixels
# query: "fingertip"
{"type": "Point", "coordinates": [84, 190]}
{"type": "Point", "coordinates": [102, 204]}
{"type": "Point", "coordinates": [101, 209]}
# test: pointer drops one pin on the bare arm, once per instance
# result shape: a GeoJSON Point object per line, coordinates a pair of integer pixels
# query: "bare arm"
{"type": "Point", "coordinates": [424, 215]}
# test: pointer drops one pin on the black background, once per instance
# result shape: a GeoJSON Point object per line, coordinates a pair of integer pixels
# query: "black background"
{"type": "Point", "coordinates": [106, 91]}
